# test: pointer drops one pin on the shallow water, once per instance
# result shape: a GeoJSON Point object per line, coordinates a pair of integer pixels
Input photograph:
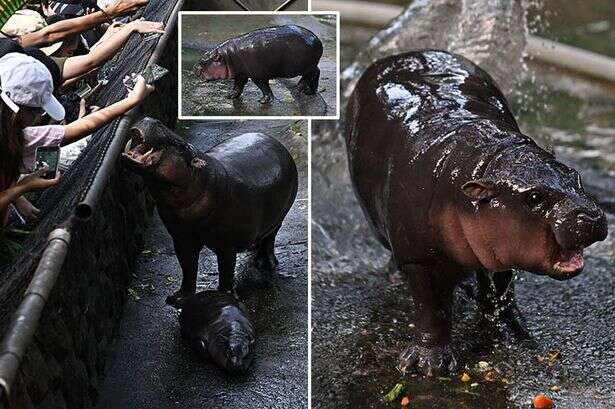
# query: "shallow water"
{"type": "Point", "coordinates": [200, 98]}
{"type": "Point", "coordinates": [362, 316]}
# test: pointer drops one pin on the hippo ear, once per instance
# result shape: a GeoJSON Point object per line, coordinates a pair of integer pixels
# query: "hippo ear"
{"type": "Point", "coordinates": [198, 163]}
{"type": "Point", "coordinates": [480, 189]}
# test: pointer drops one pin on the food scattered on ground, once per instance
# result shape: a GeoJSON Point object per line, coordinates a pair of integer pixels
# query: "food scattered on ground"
{"type": "Point", "coordinates": [405, 401]}
{"type": "Point", "coordinates": [465, 377]}
{"type": "Point", "coordinates": [542, 402]}
{"type": "Point", "coordinates": [394, 393]}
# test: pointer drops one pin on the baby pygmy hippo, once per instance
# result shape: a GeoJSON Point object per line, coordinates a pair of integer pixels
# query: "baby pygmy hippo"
{"type": "Point", "coordinates": [217, 327]}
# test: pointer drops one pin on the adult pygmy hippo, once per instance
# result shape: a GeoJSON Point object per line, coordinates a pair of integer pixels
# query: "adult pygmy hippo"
{"type": "Point", "coordinates": [217, 327]}
{"type": "Point", "coordinates": [230, 199]}
{"type": "Point", "coordinates": [450, 185]}
{"type": "Point", "coordinates": [263, 54]}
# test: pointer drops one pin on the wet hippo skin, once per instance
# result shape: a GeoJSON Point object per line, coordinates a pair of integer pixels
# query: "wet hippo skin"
{"type": "Point", "coordinates": [261, 55]}
{"type": "Point", "coordinates": [229, 199]}
{"type": "Point", "coordinates": [451, 186]}
{"type": "Point", "coordinates": [218, 328]}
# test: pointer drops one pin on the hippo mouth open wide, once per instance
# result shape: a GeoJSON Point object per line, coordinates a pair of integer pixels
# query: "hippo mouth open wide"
{"type": "Point", "coordinates": [565, 263]}
{"type": "Point", "coordinates": [139, 153]}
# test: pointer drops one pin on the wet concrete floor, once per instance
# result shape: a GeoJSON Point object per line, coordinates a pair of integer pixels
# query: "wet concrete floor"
{"type": "Point", "coordinates": [200, 98]}
{"type": "Point", "coordinates": [150, 365]}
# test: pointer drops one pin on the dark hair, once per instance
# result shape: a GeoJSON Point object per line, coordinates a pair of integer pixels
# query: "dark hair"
{"type": "Point", "coordinates": [11, 142]}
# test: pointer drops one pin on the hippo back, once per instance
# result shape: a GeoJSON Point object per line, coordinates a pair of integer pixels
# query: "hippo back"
{"type": "Point", "coordinates": [418, 125]}
{"type": "Point", "coordinates": [272, 52]}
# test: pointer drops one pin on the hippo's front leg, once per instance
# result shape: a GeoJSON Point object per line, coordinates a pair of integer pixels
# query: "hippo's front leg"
{"type": "Point", "coordinates": [188, 256]}
{"type": "Point", "coordinates": [496, 300]}
{"type": "Point", "coordinates": [263, 85]}
{"type": "Point", "coordinates": [240, 83]}
{"type": "Point", "coordinates": [226, 269]}
{"type": "Point", "coordinates": [432, 292]}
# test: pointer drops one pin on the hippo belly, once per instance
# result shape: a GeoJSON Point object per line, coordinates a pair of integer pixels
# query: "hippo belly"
{"type": "Point", "coordinates": [451, 186]}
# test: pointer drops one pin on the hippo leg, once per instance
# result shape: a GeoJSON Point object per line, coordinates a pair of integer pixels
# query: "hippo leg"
{"type": "Point", "coordinates": [226, 269]}
{"type": "Point", "coordinates": [432, 292]}
{"type": "Point", "coordinates": [496, 299]}
{"type": "Point", "coordinates": [308, 84]}
{"type": "Point", "coordinates": [265, 256]}
{"type": "Point", "coordinates": [240, 83]}
{"type": "Point", "coordinates": [188, 257]}
{"type": "Point", "coordinates": [263, 85]}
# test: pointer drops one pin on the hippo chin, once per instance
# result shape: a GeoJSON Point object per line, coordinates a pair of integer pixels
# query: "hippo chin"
{"type": "Point", "coordinates": [451, 186]}
{"type": "Point", "coordinates": [264, 54]}
{"type": "Point", "coordinates": [218, 328]}
{"type": "Point", "coordinates": [230, 199]}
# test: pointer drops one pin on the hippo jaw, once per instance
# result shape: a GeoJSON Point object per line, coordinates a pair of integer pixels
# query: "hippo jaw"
{"type": "Point", "coordinates": [139, 155]}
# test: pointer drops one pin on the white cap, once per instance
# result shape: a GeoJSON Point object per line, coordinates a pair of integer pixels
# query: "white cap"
{"type": "Point", "coordinates": [26, 81]}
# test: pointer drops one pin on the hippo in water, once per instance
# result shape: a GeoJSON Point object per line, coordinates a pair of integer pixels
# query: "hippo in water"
{"type": "Point", "coordinates": [263, 54]}
{"type": "Point", "coordinates": [218, 328]}
{"type": "Point", "coordinates": [451, 186]}
{"type": "Point", "coordinates": [229, 199]}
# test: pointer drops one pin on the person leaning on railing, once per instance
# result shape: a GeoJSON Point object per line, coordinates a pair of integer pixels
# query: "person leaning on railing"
{"type": "Point", "coordinates": [26, 95]}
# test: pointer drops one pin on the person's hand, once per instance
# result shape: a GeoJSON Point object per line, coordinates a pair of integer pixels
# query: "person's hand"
{"type": "Point", "coordinates": [82, 109]}
{"type": "Point", "coordinates": [35, 180]}
{"type": "Point", "coordinates": [123, 7]}
{"type": "Point", "coordinates": [27, 209]}
{"type": "Point", "coordinates": [145, 27]}
{"type": "Point", "coordinates": [141, 90]}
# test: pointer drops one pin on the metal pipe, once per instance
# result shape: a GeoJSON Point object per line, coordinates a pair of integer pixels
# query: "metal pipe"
{"type": "Point", "coordinates": [85, 208]}
{"type": "Point", "coordinates": [547, 51]}
{"type": "Point", "coordinates": [25, 319]}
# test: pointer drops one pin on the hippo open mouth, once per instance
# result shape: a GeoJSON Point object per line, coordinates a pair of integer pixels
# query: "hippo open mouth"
{"type": "Point", "coordinates": [565, 263]}
{"type": "Point", "coordinates": [139, 153]}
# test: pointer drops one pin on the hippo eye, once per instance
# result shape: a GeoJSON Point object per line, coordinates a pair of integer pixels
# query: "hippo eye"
{"type": "Point", "coordinates": [535, 198]}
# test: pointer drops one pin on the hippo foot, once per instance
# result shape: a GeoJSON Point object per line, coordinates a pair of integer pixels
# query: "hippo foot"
{"type": "Point", "coordinates": [178, 299]}
{"type": "Point", "coordinates": [267, 99]}
{"type": "Point", "coordinates": [428, 361]}
{"type": "Point", "coordinates": [510, 325]}
{"type": "Point", "coordinates": [267, 262]}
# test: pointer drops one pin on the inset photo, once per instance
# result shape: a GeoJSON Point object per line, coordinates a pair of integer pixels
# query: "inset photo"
{"type": "Point", "coordinates": [265, 65]}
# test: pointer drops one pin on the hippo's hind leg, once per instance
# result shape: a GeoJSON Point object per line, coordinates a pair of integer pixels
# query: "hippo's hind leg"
{"type": "Point", "coordinates": [265, 258]}
{"type": "Point", "coordinates": [308, 84]}
{"type": "Point", "coordinates": [226, 269]}
{"type": "Point", "coordinates": [188, 257]}
{"type": "Point", "coordinates": [432, 292]}
{"type": "Point", "coordinates": [240, 83]}
{"type": "Point", "coordinates": [496, 299]}
{"type": "Point", "coordinates": [263, 85]}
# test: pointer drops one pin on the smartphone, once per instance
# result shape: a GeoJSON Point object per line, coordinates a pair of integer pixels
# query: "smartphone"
{"type": "Point", "coordinates": [48, 156]}
{"type": "Point", "coordinates": [85, 90]}
{"type": "Point", "coordinates": [151, 74]}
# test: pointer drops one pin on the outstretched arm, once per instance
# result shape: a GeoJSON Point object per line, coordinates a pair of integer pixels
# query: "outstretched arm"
{"type": "Point", "coordinates": [90, 123]}
{"type": "Point", "coordinates": [33, 181]}
{"type": "Point", "coordinates": [75, 66]}
{"type": "Point", "coordinates": [66, 28]}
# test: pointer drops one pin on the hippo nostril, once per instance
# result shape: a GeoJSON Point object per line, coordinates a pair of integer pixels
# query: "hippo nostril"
{"type": "Point", "coordinates": [587, 218]}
